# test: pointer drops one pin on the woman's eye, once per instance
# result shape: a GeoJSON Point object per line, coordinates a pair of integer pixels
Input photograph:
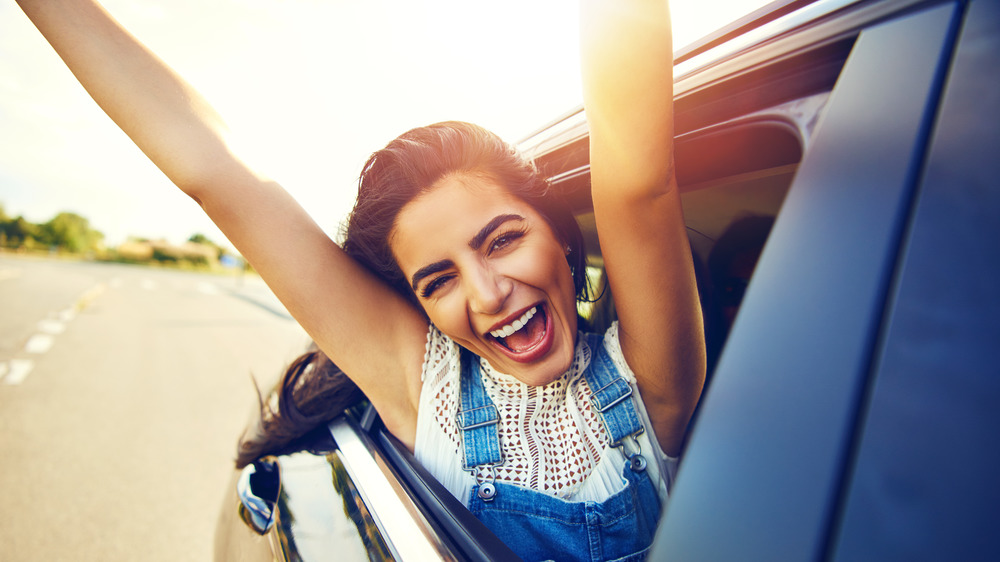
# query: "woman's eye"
{"type": "Point", "coordinates": [504, 240]}
{"type": "Point", "coordinates": [434, 285]}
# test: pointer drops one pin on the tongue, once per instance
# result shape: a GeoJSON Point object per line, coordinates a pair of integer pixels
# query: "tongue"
{"type": "Point", "coordinates": [526, 338]}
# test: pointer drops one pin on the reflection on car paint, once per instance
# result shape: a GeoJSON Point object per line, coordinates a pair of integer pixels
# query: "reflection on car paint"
{"type": "Point", "coordinates": [258, 490]}
{"type": "Point", "coordinates": [357, 511]}
{"type": "Point", "coordinates": [314, 518]}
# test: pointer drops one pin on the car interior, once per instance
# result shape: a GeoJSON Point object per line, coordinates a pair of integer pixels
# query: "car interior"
{"type": "Point", "coordinates": [729, 207]}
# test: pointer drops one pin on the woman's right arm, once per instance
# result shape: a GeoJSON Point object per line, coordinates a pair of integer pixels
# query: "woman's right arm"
{"type": "Point", "coordinates": [342, 306]}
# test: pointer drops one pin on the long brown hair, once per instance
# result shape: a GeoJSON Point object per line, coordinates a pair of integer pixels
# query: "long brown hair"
{"type": "Point", "coordinates": [313, 390]}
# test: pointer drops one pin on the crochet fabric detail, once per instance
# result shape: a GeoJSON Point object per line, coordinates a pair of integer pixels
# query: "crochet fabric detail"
{"type": "Point", "coordinates": [552, 440]}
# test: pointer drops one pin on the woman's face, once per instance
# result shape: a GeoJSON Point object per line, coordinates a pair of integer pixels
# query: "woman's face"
{"type": "Point", "coordinates": [491, 274]}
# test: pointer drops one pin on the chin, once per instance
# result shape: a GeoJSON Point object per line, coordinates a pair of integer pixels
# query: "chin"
{"type": "Point", "coordinates": [549, 372]}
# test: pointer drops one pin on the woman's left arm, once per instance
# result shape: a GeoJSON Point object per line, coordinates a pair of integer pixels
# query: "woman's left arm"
{"type": "Point", "coordinates": [627, 58]}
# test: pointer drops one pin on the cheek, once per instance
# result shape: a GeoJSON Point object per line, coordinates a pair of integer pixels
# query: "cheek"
{"type": "Point", "coordinates": [549, 272]}
{"type": "Point", "coordinates": [449, 315]}
{"type": "Point", "coordinates": [559, 271]}
{"type": "Point", "coordinates": [543, 263]}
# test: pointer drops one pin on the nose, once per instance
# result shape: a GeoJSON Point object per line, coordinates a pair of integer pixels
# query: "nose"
{"type": "Point", "coordinates": [487, 290]}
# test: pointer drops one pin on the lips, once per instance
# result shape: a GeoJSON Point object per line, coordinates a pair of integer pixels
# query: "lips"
{"type": "Point", "coordinates": [527, 337]}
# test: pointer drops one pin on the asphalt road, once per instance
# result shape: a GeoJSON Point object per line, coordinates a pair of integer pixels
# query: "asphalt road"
{"type": "Point", "coordinates": [122, 392]}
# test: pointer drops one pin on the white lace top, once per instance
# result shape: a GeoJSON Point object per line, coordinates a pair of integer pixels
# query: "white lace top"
{"type": "Point", "coordinates": [552, 440]}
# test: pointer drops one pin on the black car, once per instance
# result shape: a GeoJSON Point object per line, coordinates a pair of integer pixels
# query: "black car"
{"type": "Point", "coordinates": [840, 168]}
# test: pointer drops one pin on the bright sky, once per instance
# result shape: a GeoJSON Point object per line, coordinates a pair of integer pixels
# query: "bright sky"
{"type": "Point", "coordinates": [310, 88]}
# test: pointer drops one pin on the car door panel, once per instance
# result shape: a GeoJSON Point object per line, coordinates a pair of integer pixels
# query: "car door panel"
{"type": "Point", "coordinates": [761, 475]}
{"type": "Point", "coordinates": [929, 440]}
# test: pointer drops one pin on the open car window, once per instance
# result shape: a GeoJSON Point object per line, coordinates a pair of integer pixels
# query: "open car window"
{"type": "Point", "coordinates": [737, 157]}
{"type": "Point", "coordinates": [740, 136]}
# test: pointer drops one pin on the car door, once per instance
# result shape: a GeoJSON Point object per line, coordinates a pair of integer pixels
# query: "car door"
{"type": "Point", "coordinates": [774, 462]}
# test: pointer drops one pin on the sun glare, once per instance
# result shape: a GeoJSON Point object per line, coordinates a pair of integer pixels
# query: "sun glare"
{"type": "Point", "coordinates": [309, 90]}
{"type": "Point", "coordinates": [693, 19]}
{"type": "Point", "coordinates": [310, 111]}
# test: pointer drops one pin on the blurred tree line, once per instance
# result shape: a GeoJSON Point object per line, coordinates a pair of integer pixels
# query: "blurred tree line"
{"type": "Point", "coordinates": [69, 233]}
{"type": "Point", "coordinates": [66, 232]}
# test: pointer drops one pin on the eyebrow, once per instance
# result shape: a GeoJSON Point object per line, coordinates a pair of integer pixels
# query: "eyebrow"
{"type": "Point", "coordinates": [478, 239]}
{"type": "Point", "coordinates": [429, 270]}
{"type": "Point", "coordinates": [475, 244]}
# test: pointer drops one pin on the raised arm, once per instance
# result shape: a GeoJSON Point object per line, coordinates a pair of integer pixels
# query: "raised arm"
{"type": "Point", "coordinates": [341, 305]}
{"type": "Point", "coordinates": [627, 59]}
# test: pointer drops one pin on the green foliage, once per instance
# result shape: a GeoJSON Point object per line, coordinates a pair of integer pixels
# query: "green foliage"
{"type": "Point", "coordinates": [70, 233]}
{"type": "Point", "coordinates": [200, 238]}
{"type": "Point", "coordinates": [67, 232]}
{"type": "Point", "coordinates": [163, 257]}
{"type": "Point", "coordinates": [19, 233]}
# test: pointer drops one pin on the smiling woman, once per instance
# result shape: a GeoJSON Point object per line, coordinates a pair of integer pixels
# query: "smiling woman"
{"type": "Point", "coordinates": [452, 301]}
{"type": "Point", "coordinates": [513, 263]}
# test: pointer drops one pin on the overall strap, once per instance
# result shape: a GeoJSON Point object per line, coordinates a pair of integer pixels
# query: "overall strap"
{"type": "Point", "coordinates": [477, 417]}
{"type": "Point", "coordinates": [611, 394]}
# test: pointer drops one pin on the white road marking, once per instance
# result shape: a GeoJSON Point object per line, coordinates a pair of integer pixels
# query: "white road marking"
{"type": "Point", "coordinates": [52, 327]}
{"type": "Point", "coordinates": [148, 284]}
{"type": "Point", "coordinates": [19, 370]}
{"type": "Point", "coordinates": [91, 294]}
{"type": "Point", "coordinates": [16, 370]}
{"type": "Point", "coordinates": [39, 343]}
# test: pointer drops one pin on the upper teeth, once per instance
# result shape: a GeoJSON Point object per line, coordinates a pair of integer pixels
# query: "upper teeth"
{"type": "Point", "coordinates": [515, 325]}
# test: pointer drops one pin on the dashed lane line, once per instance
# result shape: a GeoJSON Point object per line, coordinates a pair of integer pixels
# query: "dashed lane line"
{"type": "Point", "coordinates": [17, 370]}
{"type": "Point", "coordinates": [89, 296]}
{"type": "Point", "coordinates": [51, 327]}
{"type": "Point", "coordinates": [39, 343]}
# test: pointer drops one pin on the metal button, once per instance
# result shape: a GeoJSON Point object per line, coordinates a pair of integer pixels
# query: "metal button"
{"type": "Point", "coordinates": [487, 491]}
{"type": "Point", "coordinates": [637, 463]}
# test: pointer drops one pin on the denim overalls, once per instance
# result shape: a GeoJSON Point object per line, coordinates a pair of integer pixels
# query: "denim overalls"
{"type": "Point", "coordinates": [542, 527]}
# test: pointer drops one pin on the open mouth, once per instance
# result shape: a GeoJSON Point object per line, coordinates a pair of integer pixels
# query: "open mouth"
{"type": "Point", "coordinates": [525, 333]}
